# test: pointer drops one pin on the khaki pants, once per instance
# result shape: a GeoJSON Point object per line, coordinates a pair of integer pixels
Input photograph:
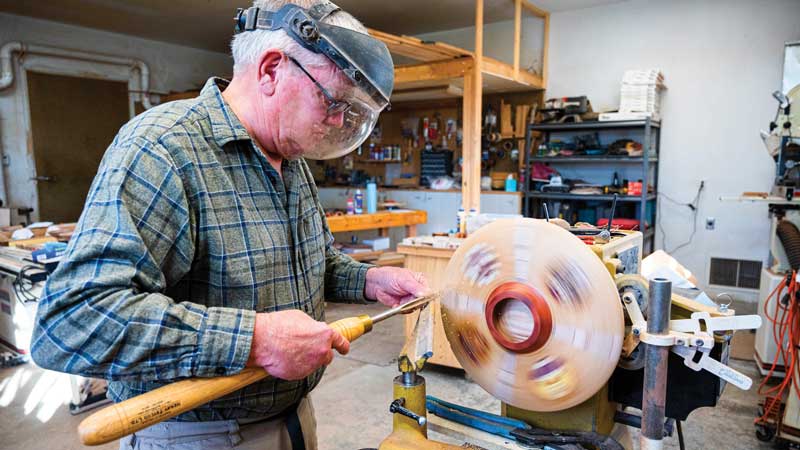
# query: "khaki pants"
{"type": "Point", "coordinates": [225, 434]}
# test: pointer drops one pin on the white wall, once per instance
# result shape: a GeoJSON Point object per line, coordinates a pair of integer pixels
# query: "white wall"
{"type": "Point", "coordinates": [172, 67]}
{"type": "Point", "coordinates": [721, 60]}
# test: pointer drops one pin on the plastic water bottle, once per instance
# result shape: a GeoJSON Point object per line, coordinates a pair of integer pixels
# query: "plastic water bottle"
{"type": "Point", "coordinates": [359, 202]}
{"type": "Point", "coordinates": [470, 218]}
{"type": "Point", "coordinates": [511, 184]}
{"type": "Point", "coordinates": [372, 197]}
{"type": "Point", "coordinates": [460, 221]}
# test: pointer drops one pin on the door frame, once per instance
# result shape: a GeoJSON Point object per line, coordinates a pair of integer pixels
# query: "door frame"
{"type": "Point", "coordinates": [53, 66]}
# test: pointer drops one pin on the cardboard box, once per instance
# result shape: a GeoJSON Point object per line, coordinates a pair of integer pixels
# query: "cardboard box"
{"type": "Point", "coordinates": [380, 243]}
{"type": "Point", "coordinates": [499, 179]}
{"type": "Point", "coordinates": [406, 182]}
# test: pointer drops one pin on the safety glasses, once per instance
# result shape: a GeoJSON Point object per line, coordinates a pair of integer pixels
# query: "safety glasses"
{"type": "Point", "coordinates": [335, 106]}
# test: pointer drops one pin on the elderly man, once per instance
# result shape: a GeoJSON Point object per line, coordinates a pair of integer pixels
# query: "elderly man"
{"type": "Point", "coordinates": [203, 247]}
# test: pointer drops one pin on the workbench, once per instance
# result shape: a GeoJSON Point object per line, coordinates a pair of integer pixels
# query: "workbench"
{"type": "Point", "coordinates": [441, 206]}
{"type": "Point", "coordinates": [432, 262]}
{"type": "Point", "coordinates": [380, 221]}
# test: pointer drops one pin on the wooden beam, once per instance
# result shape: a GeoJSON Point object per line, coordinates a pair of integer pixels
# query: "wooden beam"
{"type": "Point", "coordinates": [432, 71]}
{"type": "Point", "coordinates": [447, 49]}
{"type": "Point", "coordinates": [473, 91]}
{"type": "Point", "coordinates": [426, 93]}
{"type": "Point", "coordinates": [417, 49]}
{"type": "Point", "coordinates": [470, 155]}
{"type": "Point", "coordinates": [517, 34]}
{"type": "Point", "coordinates": [545, 45]}
{"type": "Point", "coordinates": [496, 68]}
{"type": "Point", "coordinates": [535, 10]}
{"type": "Point", "coordinates": [478, 35]}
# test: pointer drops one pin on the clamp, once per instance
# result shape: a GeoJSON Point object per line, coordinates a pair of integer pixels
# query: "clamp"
{"type": "Point", "coordinates": [689, 338]}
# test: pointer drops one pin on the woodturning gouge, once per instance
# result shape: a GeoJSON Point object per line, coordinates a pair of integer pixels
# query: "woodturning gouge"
{"type": "Point", "coordinates": [134, 414]}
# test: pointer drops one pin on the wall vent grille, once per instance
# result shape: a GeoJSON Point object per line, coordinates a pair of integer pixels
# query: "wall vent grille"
{"type": "Point", "coordinates": [739, 273]}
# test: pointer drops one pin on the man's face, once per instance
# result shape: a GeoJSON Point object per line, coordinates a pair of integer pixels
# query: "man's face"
{"type": "Point", "coordinates": [302, 109]}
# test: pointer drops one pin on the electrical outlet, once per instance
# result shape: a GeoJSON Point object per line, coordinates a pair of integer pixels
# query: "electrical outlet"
{"type": "Point", "coordinates": [710, 223]}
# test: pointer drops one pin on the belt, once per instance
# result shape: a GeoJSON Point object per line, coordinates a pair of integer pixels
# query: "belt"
{"type": "Point", "coordinates": [295, 430]}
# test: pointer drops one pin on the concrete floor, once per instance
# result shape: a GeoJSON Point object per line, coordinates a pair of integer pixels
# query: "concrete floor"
{"type": "Point", "coordinates": [351, 403]}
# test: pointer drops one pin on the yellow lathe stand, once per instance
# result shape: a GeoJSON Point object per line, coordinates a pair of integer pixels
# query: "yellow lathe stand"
{"type": "Point", "coordinates": [409, 426]}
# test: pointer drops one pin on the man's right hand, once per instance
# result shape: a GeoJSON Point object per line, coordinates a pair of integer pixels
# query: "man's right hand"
{"type": "Point", "coordinates": [291, 345]}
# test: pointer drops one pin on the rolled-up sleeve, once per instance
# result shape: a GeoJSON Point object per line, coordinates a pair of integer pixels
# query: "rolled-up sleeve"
{"type": "Point", "coordinates": [103, 312]}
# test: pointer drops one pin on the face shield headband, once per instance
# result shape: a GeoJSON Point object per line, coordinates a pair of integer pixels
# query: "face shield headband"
{"type": "Point", "coordinates": [364, 60]}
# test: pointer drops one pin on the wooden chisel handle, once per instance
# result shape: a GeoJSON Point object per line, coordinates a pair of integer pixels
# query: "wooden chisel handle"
{"type": "Point", "coordinates": [353, 328]}
{"type": "Point", "coordinates": [166, 402]}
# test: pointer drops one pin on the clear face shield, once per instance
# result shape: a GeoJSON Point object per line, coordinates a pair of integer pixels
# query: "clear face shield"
{"type": "Point", "coordinates": [345, 118]}
{"type": "Point", "coordinates": [357, 123]}
{"type": "Point", "coordinates": [350, 110]}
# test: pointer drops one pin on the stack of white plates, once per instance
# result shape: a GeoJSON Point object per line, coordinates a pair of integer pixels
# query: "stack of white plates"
{"type": "Point", "coordinates": [641, 91]}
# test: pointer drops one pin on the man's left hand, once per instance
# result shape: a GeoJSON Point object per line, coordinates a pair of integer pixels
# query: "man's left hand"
{"type": "Point", "coordinates": [394, 286]}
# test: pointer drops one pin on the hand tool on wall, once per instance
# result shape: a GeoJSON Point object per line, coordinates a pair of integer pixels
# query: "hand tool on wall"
{"type": "Point", "coordinates": [176, 398]}
{"type": "Point", "coordinates": [434, 127]}
{"type": "Point", "coordinates": [450, 128]}
{"type": "Point", "coordinates": [410, 131]}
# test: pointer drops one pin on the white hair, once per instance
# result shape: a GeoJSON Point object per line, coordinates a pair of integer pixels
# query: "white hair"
{"type": "Point", "coordinates": [247, 47]}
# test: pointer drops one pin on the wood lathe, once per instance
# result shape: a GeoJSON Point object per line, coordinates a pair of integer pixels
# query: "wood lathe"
{"type": "Point", "coordinates": [557, 323]}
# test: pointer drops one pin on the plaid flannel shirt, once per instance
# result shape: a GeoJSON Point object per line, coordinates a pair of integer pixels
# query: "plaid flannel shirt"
{"type": "Point", "coordinates": [187, 232]}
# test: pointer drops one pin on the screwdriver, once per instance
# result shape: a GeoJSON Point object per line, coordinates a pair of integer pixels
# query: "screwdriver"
{"type": "Point", "coordinates": [166, 402]}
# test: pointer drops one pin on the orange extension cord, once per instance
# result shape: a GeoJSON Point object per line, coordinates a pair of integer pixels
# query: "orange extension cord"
{"type": "Point", "coordinates": [785, 329]}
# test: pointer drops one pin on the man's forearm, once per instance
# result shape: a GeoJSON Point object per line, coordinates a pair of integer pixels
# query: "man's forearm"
{"type": "Point", "coordinates": [142, 337]}
{"type": "Point", "coordinates": [345, 278]}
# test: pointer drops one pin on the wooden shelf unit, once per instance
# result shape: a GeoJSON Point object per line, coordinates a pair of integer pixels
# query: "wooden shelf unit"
{"type": "Point", "coordinates": [448, 68]}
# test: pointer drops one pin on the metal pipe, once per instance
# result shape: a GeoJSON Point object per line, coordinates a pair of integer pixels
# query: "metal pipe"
{"type": "Point", "coordinates": [611, 217]}
{"type": "Point", "coordinates": [6, 66]}
{"type": "Point", "coordinates": [410, 378]}
{"type": "Point", "coordinates": [404, 308]}
{"type": "Point", "coordinates": [628, 419]}
{"type": "Point", "coordinates": [9, 48]}
{"type": "Point", "coordinates": [635, 421]}
{"type": "Point", "coordinates": [655, 366]}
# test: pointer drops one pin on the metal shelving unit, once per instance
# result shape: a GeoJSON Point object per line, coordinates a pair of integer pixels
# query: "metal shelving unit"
{"type": "Point", "coordinates": [597, 159]}
{"type": "Point", "coordinates": [587, 197]}
{"type": "Point", "coordinates": [651, 145]}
